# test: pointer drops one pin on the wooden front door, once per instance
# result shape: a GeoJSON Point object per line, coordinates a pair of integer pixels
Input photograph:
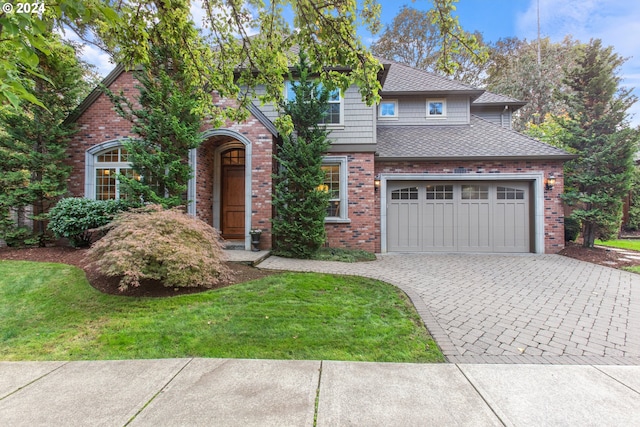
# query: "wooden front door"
{"type": "Point", "coordinates": [233, 196]}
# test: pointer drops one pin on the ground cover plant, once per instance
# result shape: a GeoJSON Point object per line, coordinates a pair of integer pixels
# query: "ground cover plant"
{"type": "Point", "coordinates": [343, 255]}
{"type": "Point", "coordinates": [50, 312]}
{"type": "Point", "coordinates": [631, 244]}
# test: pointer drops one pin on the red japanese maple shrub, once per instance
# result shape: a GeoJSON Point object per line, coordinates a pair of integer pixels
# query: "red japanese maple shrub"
{"type": "Point", "coordinates": [165, 245]}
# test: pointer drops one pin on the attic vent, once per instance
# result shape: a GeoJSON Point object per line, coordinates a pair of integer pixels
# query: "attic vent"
{"type": "Point", "coordinates": [460, 170]}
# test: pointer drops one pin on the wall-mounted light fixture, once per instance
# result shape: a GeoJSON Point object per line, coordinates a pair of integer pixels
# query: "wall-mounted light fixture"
{"type": "Point", "coordinates": [550, 182]}
{"type": "Point", "coordinates": [376, 183]}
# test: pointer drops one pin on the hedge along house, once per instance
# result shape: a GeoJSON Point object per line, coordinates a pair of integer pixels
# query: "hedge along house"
{"type": "Point", "coordinates": [435, 167]}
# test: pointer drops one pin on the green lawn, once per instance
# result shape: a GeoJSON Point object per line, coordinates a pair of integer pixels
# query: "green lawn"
{"type": "Point", "coordinates": [632, 244]}
{"type": "Point", "coordinates": [50, 312]}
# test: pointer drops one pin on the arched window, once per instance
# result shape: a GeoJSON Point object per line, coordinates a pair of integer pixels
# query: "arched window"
{"type": "Point", "coordinates": [107, 165]}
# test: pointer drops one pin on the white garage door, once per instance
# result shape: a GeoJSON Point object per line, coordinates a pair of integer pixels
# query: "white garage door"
{"type": "Point", "coordinates": [458, 217]}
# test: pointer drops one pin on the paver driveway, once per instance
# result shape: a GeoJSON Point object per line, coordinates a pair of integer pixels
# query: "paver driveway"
{"type": "Point", "coordinates": [511, 308]}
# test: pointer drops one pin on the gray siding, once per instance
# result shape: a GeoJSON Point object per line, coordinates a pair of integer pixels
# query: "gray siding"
{"type": "Point", "coordinates": [358, 121]}
{"type": "Point", "coordinates": [496, 115]}
{"type": "Point", "coordinates": [412, 110]}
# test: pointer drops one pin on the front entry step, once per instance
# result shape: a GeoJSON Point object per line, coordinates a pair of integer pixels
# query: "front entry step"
{"type": "Point", "coordinates": [233, 245]}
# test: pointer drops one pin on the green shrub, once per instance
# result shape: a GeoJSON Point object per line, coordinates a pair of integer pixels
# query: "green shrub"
{"type": "Point", "coordinates": [165, 245]}
{"type": "Point", "coordinates": [20, 236]}
{"type": "Point", "coordinates": [572, 229]}
{"type": "Point", "coordinates": [79, 219]}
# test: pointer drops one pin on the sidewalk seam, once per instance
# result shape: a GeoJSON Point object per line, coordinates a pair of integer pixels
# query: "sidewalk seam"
{"type": "Point", "coordinates": [317, 402]}
{"type": "Point", "coordinates": [35, 380]}
{"type": "Point", "coordinates": [481, 395]}
{"type": "Point", "coordinates": [157, 393]}
{"type": "Point", "coordinates": [616, 380]}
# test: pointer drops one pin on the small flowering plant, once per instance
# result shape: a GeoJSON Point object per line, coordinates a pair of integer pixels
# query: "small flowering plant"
{"type": "Point", "coordinates": [255, 231]}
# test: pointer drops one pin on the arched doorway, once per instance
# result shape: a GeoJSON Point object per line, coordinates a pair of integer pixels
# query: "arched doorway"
{"type": "Point", "coordinates": [232, 193]}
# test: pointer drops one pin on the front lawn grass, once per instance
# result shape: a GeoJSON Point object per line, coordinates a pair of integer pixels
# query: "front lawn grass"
{"type": "Point", "coordinates": [343, 255]}
{"type": "Point", "coordinates": [631, 244]}
{"type": "Point", "coordinates": [50, 312]}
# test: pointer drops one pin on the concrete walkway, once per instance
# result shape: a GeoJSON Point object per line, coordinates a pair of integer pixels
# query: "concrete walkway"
{"type": "Point", "coordinates": [224, 392]}
{"type": "Point", "coordinates": [511, 308]}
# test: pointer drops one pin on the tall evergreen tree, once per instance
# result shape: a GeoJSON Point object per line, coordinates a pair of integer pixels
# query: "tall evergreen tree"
{"type": "Point", "coordinates": [167, 124]}
{"type": "Point", "coordinates": [33, 144]}
{"type": "Point", "coordinates": [599, 132]}
{"type": "Point", "coordinates": [300, 203]}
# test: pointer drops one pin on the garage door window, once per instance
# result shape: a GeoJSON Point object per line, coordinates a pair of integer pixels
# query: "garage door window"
{"type": "Point", "coordinates": [475, 192]}
{"type": "Point", "coordinates": [508, 193]}
{"type": "Point", "coordinates": [409, 193]}
{"type": "Point", "coordinates": [439, 192]}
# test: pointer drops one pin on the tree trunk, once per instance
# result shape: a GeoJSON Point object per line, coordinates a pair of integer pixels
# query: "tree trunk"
{"type": "Point", "coordinates": [589, 235]}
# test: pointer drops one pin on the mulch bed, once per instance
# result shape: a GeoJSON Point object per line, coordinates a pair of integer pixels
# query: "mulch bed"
{"type": "Point", "coordinates": [599, 255]}
{"type": "Point", "coordinates": [109, 285]}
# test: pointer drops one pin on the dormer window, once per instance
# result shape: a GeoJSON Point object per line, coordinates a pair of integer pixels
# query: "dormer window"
{"type": "Point", "coordinates": [436, 108]}
{"type": "Point", "coordinates": [388, 109]}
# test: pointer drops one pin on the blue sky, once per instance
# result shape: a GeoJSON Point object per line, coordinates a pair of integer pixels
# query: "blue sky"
{"type": "Point", "coordinates": [616, 22]}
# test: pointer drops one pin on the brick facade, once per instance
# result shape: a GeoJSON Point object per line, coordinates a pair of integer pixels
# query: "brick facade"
{"type": "Point", "coordinates": [361, 232]}
{"type": "Point", "coordinates": [97, 124]}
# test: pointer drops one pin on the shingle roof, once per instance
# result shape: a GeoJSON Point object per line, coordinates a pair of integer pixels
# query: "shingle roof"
{"type": "Point", "coordinates": [479, 139]}
{"type": "Point", "coordinates": [489, 98]}
{"type": "Point", "coordinates": [402, 78]}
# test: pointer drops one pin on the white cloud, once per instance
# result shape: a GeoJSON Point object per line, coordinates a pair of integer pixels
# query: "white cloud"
{"type": "Point", "coordinates": [90, 53]}
{"type": "Point", "coordinates": [615, 22]}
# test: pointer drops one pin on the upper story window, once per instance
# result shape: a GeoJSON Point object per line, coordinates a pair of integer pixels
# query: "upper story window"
{"type": "Point", "coordinates": [436, 108]}
{"type": "Point", "coordinates": [335, 113]}
{"type": "Point", "coordinates": [388, 109]}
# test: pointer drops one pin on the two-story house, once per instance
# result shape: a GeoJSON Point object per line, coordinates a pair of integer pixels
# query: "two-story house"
{"type": "Point", "coordinates": [435, 167]}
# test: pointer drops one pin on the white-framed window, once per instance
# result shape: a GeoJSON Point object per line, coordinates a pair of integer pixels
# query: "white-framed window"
{"type": "Point", "coordinates": [107, 165]}
{"type": "Point", "coordinates": [335, 183]}
{"type": "Point", "coordinates": [436, 108]}
{"type": "Point", "coordinates": [335, 109]}
{"type": "Point", "coordinates": [388, 109]}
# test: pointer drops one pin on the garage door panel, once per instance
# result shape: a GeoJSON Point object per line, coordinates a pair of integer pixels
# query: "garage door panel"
{"type": "Point", "coordinates": [405, 217]}
{"type": "Point", "coordinates": [511, 227]}
{"type": "Point", "coordinates": [474, 227]}
{"type": "Point", "coordinates": [439, 226]}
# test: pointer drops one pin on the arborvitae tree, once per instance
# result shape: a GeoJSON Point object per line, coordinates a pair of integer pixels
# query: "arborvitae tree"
{"type": "Point", "coordinates": [598, 132]}
{"type": "Point", "coordinates": [33, 141]}
{"type": "Point", "coordinates": [167, 126]}
{"type": "Point", "coordinates": [300, 203]}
